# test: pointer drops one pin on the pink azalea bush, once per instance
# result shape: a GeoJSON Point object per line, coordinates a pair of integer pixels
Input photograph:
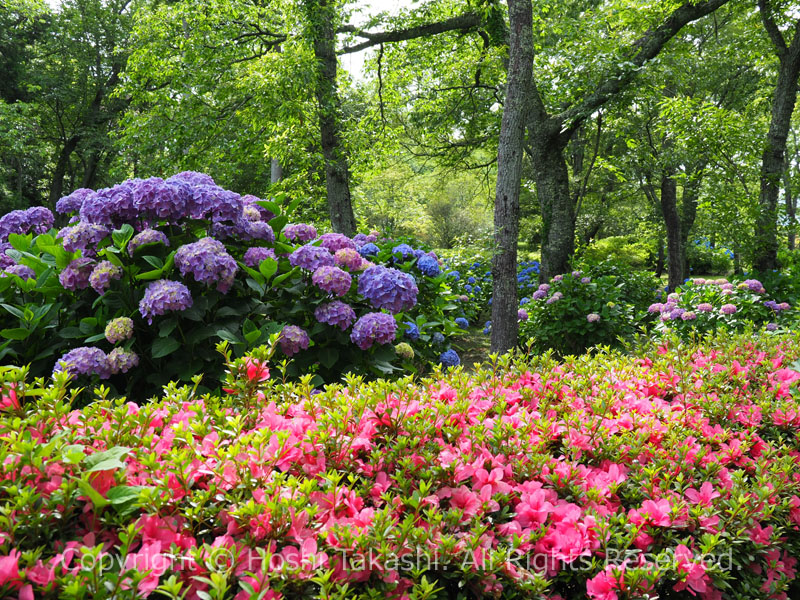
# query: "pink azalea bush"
{"type": "Point", "coordinates": [674, 473]}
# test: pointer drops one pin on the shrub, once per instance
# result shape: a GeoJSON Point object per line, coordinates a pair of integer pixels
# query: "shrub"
{"type": "Point", "coordinates": [190, 263]}
{"type": "Point", "coordinates": [575, 312]}
{"type": "Point", "coordinates": [638, 288]}
{"type": "Point", "coordinates": [668, 474]}
{"type": "Point", "coordinates": [623, 249]}
{"type": "Point", "coordinates": [704, 259]}
{"type": "Point", "coordinates": [703, 305]}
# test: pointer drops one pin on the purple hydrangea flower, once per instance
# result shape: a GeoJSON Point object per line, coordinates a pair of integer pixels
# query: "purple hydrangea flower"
{"type": "Point", "coordinates": [545, 287]}
{"type": "Point", "coordinates": [450, 358]}
{"type": "Point", "coordinates": [348, 258]}
{"type": "Point", "coordinates": [728, 309]}
{"type": "Point", "coordinates": [250, 204]}
{"type": "Point", "coordinates": [388, 288]}
{"type": "Point", "coordinates": [163, 296]}
{"type": "Point", "coordinates": [705, 307]}
{"type": "Point", "coordinates": [558, 278]}
{"type": "Point", "coordinates": [293, 339]}
{"type": "Point", "coordinates": [244, 230]}
{"type": "Point", "coordinates": [82, 236]}
{"type": "Point", "coordinates": [655, 308]}
{"type": "Point", "coordinates": [300, 232]}
{"type": "Point", "coordinates": [360, 239]}
{"type": "Point", "coordinates": [147, 236]}
{"type": "Point", "coordinates": [332, 279]}
{"type": "Point", "coordinates": [209, 263]}
{"type": "Point", "coordinates": [119, 329]}
{"type": "Point", "coordinates": [772, 304]}
{"type": "Point", "coordinates": [121, 360]}
{"type": "Point", "coordinates": [102, 274]}
{"type": "Point", "coordinates": [555, 297]}
{"type": "Point", "coordinates": [368, 249]}
{"type": "Point", "coordinates": [586, 279]}
{"type": "Point", "coordinates": [577, 274]}
{"type": "Point", "coordinates": [336, 313]}
{"type": "Point", "coordinates": [784, 306]}
{"type": "Point", "coordinates": [676, 313]}
{"type": "Point", "coordinates": [772, 326]}
{"type": "Point", "coordinates": [111, 206]}
{"type": "Point", "coordinates": [214, 203]}
{"type": "Point", "coordinates": [192, 178]}
{"type": "Point", "coordinates": [336, 241]}
{"type": "Point", "coordinates": [85, 360]}
{"type": "Point", "coordinates": [311, 258]}
{"type": "Point", "coordinates": [156, 197]}
{"type": "Point", "coordinates": [5, 259]}
{"type": "Point", "coordinates": [22, 271]}
{"type": "Point", "coordinates": [754, 285]}
{"type": "Point", "coordinates": [73, 202]}
{"type": "Point", "coordinates": [75, 275]}
{"type": "Point", "coordinates": [593, 317]}
{"type": "Point", "coordinates": [254, 256]}
{"type": "Point", "coordinates": [428, 266]}
{"type": "Point", "coordinates": [402, 252]}
{"type": "Point", "coordinates": [37, 219]}
{"type": "Point", "coordinates": [539, 294]}
{"type": "Point", "coordinates": [689, 315]}
{"type": "Point", "coordinates": [373, 328]}
{"type": "Point", "coordinates": [522, 314]}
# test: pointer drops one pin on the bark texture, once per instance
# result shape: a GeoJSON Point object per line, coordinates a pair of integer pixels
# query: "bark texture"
{"type": "Point", "coordinates": [509, 174]}
{"type": "Point", "coordinates": [675, 255]}
{"type": "Point", "coordinates": [765, 257]}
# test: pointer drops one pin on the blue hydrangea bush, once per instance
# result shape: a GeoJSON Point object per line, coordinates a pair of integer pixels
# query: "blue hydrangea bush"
{"type": "Point", "coordinates": [145, 277]}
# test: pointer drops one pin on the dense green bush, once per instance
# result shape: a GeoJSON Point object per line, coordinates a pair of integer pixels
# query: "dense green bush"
{"type": "Point", "coordinates": [140, 289]}
{"type": "Point", "coordinates": [703, 259]}
{"type": "Point", "coordinates": [626, 250]}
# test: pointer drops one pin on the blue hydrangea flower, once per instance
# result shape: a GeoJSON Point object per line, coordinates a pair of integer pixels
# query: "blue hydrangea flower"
{"type": "Point", "coordinates": [524, 301]}
{"type": "Point", "coordinates": [368, 249]}
{"type": "Point", "coordinates": [437, 339]}
{"type": "Point", "coordinates": [454, 275]}
{"type": "Point", "coordinates": [85, 360]}
{"type": "Point", "coordinates": [450, 358]}
{"type": "Point", "coordinates": [487, 328]}
{"type": "Point", "coordinates": [462, 322]}
{"type": "Point", "coordinates": [373, 328]}
{"type": "Point", "coordinates": [387, 288]}
{"type": "Point", "coordinates": [402, 252]}
{"type": "Point", "coordinates": [411, 331]}
{"type": "Point", "coordinates": [428, 266]}
{"type": "Point", "coordinates": [470, 280]}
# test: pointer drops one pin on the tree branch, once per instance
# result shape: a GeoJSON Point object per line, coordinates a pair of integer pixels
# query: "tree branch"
{"type": "Point", "coordinates": [463, 23]}
{"type": "Point", "coordinates": [646, 47]}
{"type": "Point", "coordinates": [771, 28]}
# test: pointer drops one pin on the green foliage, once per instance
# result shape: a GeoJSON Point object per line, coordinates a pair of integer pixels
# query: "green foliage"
{"type": "Point", "coordinates": [626, 250]}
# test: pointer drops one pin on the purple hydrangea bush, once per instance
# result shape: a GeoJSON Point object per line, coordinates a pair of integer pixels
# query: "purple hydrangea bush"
{"type": "Point", "coordinates": [147, 276]}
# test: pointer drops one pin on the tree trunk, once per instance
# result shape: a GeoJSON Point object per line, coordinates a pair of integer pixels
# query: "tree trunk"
{"type": "Point", "coordinates": [57, 182]}
{"type": "Point", "coordinates": [660, 257]}
{"type": "Point", "coordinates": [691, 192]}
{"type": "Point", "coordinates": [509, 173]}
{"type": "Point", "coordinates": [337, 171]}
{"type": "Point", "coordinates": [558, 210]}
{"type": "Point", "coordinates": [275, 171]}
{"type": "Point", "coordinates": [765, 257]}
{"type": "Point", "coordinates": [791, 206]}
{"type": "Point", "coordinates": [672, 221]}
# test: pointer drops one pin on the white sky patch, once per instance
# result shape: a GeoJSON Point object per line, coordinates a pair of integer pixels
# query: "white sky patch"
{"type": "Point", "coordinates": [354, 63]}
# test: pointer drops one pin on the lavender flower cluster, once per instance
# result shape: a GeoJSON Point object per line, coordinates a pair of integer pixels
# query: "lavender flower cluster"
{"type": "Point", "coordinates": [336, 313]}
{"type": "Point", "coordinates": [373, 328]}
{"type": "Point", "coordinates": [21, 271]}
{"type": "Point", "coordinates": [311, 258]}
{"type": "Point", "coordinates": [208, 262]}
{"type": "Point", "coordinates": [88, 360]}
{"type": "Point", "coordinates": [82, 236]}
{"type": "Point", "coordinates": [119, 329]}
{"type": "Point", "coordinates": [253, 256]}
{"type": "Point", "coordinates": [387, 288]}
{"type": "Point", "coordinates": [37, 219]}
{"type": "Point", "coordinates": [75, 275]}
{"type": "Point", "coordinates": [102, 274]}
{"type": "Point", "coordinates": [332, 280]}
{"type": "Point", "coordinates": [147, 236]}
{"type": "Point", "coordinates": [293, 339]}
{"type": "Point", "coordinates": [163, 296]}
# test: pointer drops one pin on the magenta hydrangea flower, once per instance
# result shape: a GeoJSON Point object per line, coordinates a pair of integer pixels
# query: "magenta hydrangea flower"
{"type": "Point", "coordinates": [300, 232]}
{"type": "Point", "coordinates": [332, 280]}
{"type": "Point", "coordinates": [254, 256]}
{"type": "Point", "coordinates": [293, 339]}
{"type": "Point", "coordinates": [336, 313]}
{"type": "Point", "coordinates": [85, 360]}
{"type": "Point", "coordinates": [689, 315]}
{"type": "Point", "coordinates": [336, 241]}
{"type": "Point", "coordinates": [348, 258]}
{"type": "Point", "coordinates": [121, 360]}
{"type": "Point", "coordinates": [373, 328]}
{"type": "Point", "coordinates": [655, 308]}
{"type": "Point", "coordinates": [147, 236]}
{"type": "Point", "coordinates": [75, 275]}
{"type": "Point", "coordinates": [311, 258]}
{"type": "Point", "coordinates": [119, 330]}
{"type": "Point", "coordinates": [208, 262]}
{"type": "Point", "coordinates": [705, 307]}
{"type": "Point", "coordinates": [22, 271]}
{"type": "Point", "coordinates": [163, 296]}
{"type": "Point", "coordinates": [102, 274]}
{"type": "Point", "coordinates": [593, 317]}
{"type": "Point", "coordinates": [389, 289]}
{"type": "Point", "coordinates": [728, 309]}
{"type": "Point", "coordinates": [555, 298]}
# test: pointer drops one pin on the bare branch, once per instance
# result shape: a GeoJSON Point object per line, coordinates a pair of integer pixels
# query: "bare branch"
{"type": "Point", "coordinates": [464, 23]}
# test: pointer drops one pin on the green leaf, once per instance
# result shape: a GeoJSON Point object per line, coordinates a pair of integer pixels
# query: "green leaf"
{"type": "Point", "coordinates": [154, 262]}
{"type": "Point", "coordinates": [164, 346]}
{"type": "Point", "coordinates": [73, 454]}
{"type": "Point", "coordinates": [16, 333]}
{"type": "Point", "coordinates": [149, 275]}
{"type": "Point", "coordinates": [271, 206]}
{"type": "Point", "coordinates": [122, 235]}
{"type": "Point", "coordinates": [17, 312]}
{"type": "Point", "coordinates": [124, 498]}
{"type": "Point", "coordinates": [268, 267]}
{"type": "Point", "coordinates": [97, 500]}
{"type": "Point", "coordinates": [328, 357]}
{"type": "Point", "coordinates": [281, 278]}
{"type": "Point", "coordinates": [109, 460]}
{"type": "Point", "coordinates": [167, 327]}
